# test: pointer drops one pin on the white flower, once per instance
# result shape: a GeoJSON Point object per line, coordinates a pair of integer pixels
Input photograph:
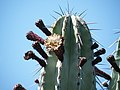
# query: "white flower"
{"type": "Point", "coordinates": [53, 42]}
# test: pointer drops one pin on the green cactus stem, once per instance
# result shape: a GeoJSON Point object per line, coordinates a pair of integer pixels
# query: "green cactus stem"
{"type": "Point", "coordinates": [69, 62]}
{"type": "Point", "coordinates": [115, 63]}
{"type": "Point", "coordinates": [70, 76]}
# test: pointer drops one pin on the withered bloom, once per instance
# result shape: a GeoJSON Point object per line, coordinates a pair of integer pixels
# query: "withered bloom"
{"type": "Point", "coordinates": [37, 81]}
{"type": "Point", "coordinates": [105, 84]}
{"type": "Point", "coordinates": [111, 60]}
{"type": "Point", "coordinates": [94, 46]}
{"type": "Point", "coordinates": [100, 52]}
{"type": "Point", "coordinates": [18, 87]}
{"type": "Point", "coordinates": [82, 61]}
{"type": "Point", "coordinates": [39, 49]}
{"type": "Point", "coordinates": [41, 26]}
{"type": "Point", "coordinates": [97, 60]}
{"type": "Point", "coordinates": [31, 55]}
{"type": "Point", "coordinates": [34, 37]}
{"type": "Point", "coordinates": [102, 74]}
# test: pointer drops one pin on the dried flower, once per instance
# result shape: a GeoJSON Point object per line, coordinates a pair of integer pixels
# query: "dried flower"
{"type": "Point", "coordinates": [18, 87]}
{"type": "Point", "coordinates": [102, 74]}
{"type": "Point", "coordinates": [37, 81]}
{"type": "Point", "coordinates": [111, 60]}
{"type": "Point", "coordinates": [97, 60]}
{"type": "Point", "coordinates": [41, 26]}
{"type": "Point", "coordinates": [34, 37]}
{"type": "Point", "coordinates": [105, 84]}
{"type": "Point", "coordinates": [94, 46]}
{"type": "Point", "coordinates": [83, 60]}
{"type": "Point", "coordinates": [38, 48]}
{"type": "Point", "coordinates": [31, 55]}
{"type": "Point", "coordinates": [100, 52]}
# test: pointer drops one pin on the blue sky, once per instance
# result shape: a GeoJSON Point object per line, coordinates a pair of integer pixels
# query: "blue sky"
{"type": "Point", "coordinates": [17, 17]}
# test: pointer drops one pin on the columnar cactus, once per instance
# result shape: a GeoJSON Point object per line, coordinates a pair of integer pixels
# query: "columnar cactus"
{"type": "Point", "coordinates": [69, 60]}
{"type": "Point", "coordinates": [115, 64]}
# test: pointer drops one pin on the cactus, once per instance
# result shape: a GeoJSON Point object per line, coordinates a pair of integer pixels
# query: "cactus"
{"type": "Point", "coordinates": [115, 64]}
{"type": "Point", "coordinates": [69, 60]}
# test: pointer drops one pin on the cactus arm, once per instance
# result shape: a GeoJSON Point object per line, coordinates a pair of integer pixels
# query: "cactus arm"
{"type": "Point", "coordinates": [115, 81]}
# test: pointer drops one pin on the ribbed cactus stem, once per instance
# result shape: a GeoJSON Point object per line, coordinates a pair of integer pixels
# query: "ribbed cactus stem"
{"type": "Point", "coordinates": [69, 42]}
{"type": "Point", "coordinates": [73, 32]}
{"type": "Point", "coordinates": [69, 57]}
{"type": "Point", "coordinates": [115, 62]}
{"type": "Point", "coordinates": [48, 77]}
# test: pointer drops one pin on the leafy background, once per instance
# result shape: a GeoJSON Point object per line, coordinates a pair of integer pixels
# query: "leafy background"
{"type": "Point", "coordinates": [17, 17]}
